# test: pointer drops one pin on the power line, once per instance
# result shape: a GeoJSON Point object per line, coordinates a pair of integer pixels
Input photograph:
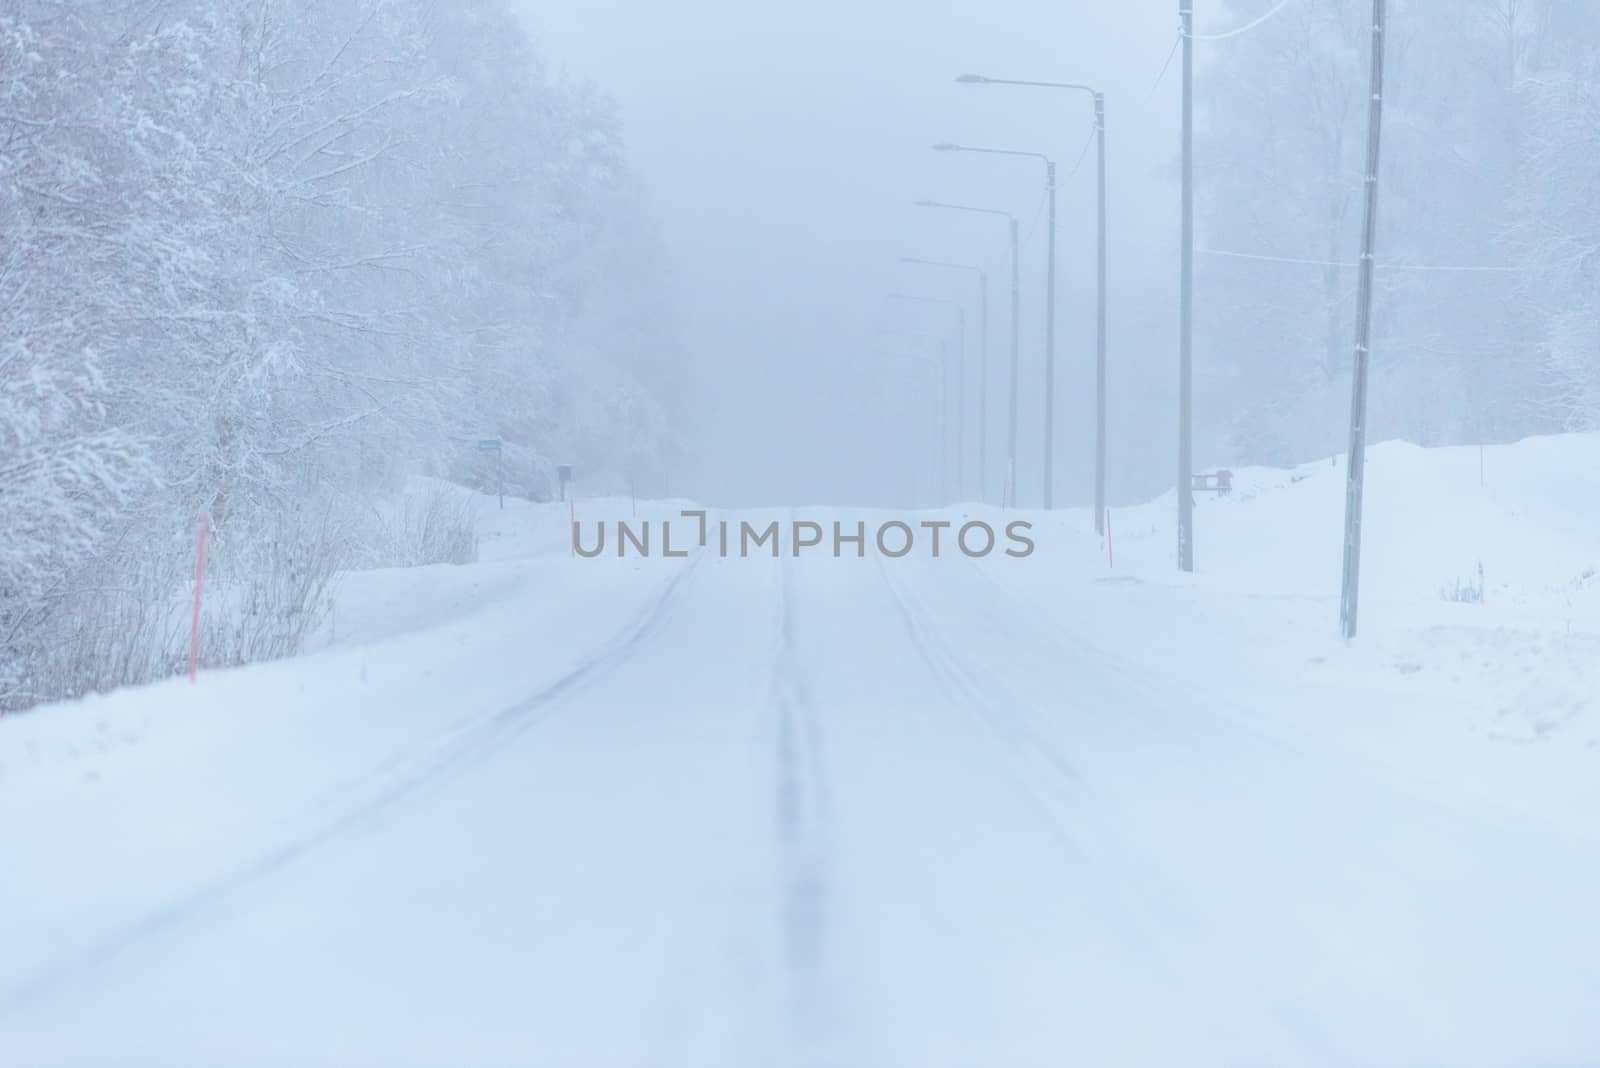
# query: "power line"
{"type": "Point", "coordinates": [1033, 226]}
{"type": "Point", "coordinates": [1082, 155]}
{"type": "Point", "coordinates": [1038, 212]}
{"type": "Point", "coordinates": [1246, 28]}
{"type": "Point", "coordinates": [1176, 41]}
{"type": "Point", "coordinates": [1431, 267]}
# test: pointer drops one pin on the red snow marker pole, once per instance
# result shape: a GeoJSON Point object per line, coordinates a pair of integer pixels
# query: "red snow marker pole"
{"type": "Point", "coordinates": [199, 581]}
{"type": "Point", "coordinates": [1111, 558]}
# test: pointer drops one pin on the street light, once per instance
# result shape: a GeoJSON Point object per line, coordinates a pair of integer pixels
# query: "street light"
{"type": "Point", "coordinates": [941, 425]}
{"type": "Point", "coordinates": [983, 362]}
{"type": "Point", "coordinates": [1049, 306]}
{"type": "Point", "coordinates": [1016, 314]}
{"type": "Point", "coordinates": [1100, 310]}
{"type": "Point", "coordinates": [961, 378]}
{"type": "Point", "coordinates": [1010, 496]}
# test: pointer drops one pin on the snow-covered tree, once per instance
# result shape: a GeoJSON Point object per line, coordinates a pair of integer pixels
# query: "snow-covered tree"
{"type": "Point", "coordinates": [1284, 123]}
{"type": "Point", "coordinates": [259, 259]}
{"type": "Point", "coordinates": [1556, 217]}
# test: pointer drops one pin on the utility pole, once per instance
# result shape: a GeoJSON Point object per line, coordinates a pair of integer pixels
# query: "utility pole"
{"type": "Point", "coordinates": [1050, 343]}
{"type": "Point", "coordinates": [1355, 475]}
{"type": "Point", "coordinates": [1186, 303]}
{"type": "Point", "coordinates": [1100, 330]}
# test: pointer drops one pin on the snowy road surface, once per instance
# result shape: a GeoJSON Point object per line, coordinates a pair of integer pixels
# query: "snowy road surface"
{"type": "Point", "coordinates": [801, 812]}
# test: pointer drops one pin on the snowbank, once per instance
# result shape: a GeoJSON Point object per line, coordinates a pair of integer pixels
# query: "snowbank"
{"type": "Point", "coordinates": [1500, 694]}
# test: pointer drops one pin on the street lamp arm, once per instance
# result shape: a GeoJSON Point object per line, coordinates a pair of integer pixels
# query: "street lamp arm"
{"type": "Point", "coordinates": [912, 357]}
{"type": "Point", "coordinates": [947, 147]}
{"type": "Point", "coordinates": [942, 263]}
{"type": "Point", "coordinates": [904, 333]}
{"type": "Point", "coordinates": [927, 300]}
{"type": "Point", "coordinates": [978, 79]}
{"type": "Point", "coordinates": [965, 207]}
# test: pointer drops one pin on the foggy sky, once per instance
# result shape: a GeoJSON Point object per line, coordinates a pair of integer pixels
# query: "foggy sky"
{"type": "Point", "coordinates": [783, 145]}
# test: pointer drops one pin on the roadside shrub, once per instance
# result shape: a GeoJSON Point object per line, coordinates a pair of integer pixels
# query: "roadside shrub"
{"type": "Point", "coordinates": [435, 526]}
{"type": "Point", "coordinates": [1465, 591]}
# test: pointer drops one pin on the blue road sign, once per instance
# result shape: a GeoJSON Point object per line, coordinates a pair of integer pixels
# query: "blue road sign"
{"type": "Point", "coordinates": [488, 444]}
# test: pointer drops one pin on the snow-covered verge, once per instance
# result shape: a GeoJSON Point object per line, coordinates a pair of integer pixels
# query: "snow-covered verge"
{"type": "Point", "coordinates": [169, 783]}
{"type": "Point", "coordinates": [1478, 654]}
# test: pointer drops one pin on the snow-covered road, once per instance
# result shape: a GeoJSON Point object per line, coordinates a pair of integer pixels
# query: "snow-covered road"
{"type": "Point", "coordinates": [821, 812]}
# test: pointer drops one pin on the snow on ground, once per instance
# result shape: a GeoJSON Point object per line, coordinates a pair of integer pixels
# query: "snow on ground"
{"type": "Point", "coordinates": [544, 810]}
{"type": "Point", "coordinates": [1440, 686]}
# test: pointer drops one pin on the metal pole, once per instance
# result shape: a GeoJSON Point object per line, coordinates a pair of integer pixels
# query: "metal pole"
{"type": "Point", "coordinates": [961, 399]}
{"type": "Point", "coordinates": [961, 338]}
{"type": "Point", "coordinates": [944, 423]}
{"type": "Point", "coordinates": [962, 380]}
{"type": "Point", "coordinates": [1100, 331]}
{"type": "Point", "coordinates": [983, 385]}
{"type": "Point", "coordinates": [929, 449]}
{"type": "Point", "coordinates": [1050, 343]}
{"type": "Point", "coordinates": [1354, 481]}
{"type": "Point", "coordinates": [1016, 316]}
{"type": "Point", "coordinates": [1186, 301]}
{"type": "Point", "coordinates": [1100, 352]}
{"type": "Point", "coordinates": [1009, 480]}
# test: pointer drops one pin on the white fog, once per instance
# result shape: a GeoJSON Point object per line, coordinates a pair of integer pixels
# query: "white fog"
{"type": "Point", "coordinates": [873, 534]}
